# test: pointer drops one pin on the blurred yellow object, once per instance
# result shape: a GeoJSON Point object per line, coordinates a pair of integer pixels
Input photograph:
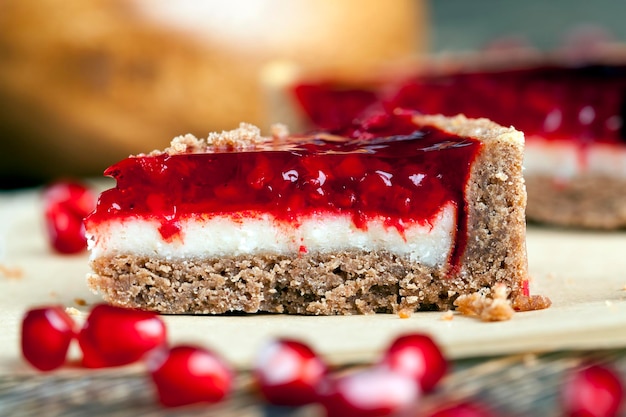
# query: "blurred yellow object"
{"type": "Point", "coordinates": [85, 83]}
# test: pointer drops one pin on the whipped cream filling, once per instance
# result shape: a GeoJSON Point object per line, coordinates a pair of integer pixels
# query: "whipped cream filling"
{"type": "Point", "coordinates": [566, 159]}
{"type": "Point", "coordinates": [260, 233]}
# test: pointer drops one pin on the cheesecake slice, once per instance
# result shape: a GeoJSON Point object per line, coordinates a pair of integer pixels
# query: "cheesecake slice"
{"type": "Point", "coordinates": [572, 114]}
{"type": "Point", "coordinates": [399, 212]}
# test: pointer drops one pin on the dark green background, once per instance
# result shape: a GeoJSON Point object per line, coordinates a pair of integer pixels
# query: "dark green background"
{"type": "Point", "coordinates": [470, 24]}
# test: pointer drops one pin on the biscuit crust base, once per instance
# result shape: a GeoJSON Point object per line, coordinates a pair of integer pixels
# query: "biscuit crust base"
{"type": "Point", "coordinates": [350, 282]}
{"type": "Point", "coordinates": [322, 284]}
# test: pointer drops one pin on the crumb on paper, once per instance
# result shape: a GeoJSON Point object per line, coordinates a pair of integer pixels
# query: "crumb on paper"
{"type": "Point", "coordinates": [11, 272]}
{"type": "Point", "coordinates": [485, 305]}
{"type": "Point", "coordinates": [531, 302]}
{"type": "Point", "coordinates": [72, 311]}
{"type": "Point", "coordinates": [405, 313]}
{"type": "Point", "coordinates": [54, 294]}
{"type": "Point", "coordinates": [447, 316]}
{"type": "Point", "coordinates": [80, 302]}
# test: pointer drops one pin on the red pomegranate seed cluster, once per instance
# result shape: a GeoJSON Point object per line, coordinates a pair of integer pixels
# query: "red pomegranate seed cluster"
{"type": "Point", "coordinates": [113, 336]}
{"type": "Point", "coordinates": [188, 375]}
{"type": "Point", "coordinates": [286, 372]}
{"type": "Point", "coordinates": [593, 391]}
{"type": "Point", "coordinates": [66, 204]}
{"type": "Point", "coordinates": [110, 336]}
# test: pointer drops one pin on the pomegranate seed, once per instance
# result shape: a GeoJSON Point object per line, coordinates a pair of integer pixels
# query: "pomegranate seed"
{"type": "Point", "coordinates": [187, 375]}
{"type": "Point", "coordinates": [371, 392]}
{"type": "Point", "coordinates": [595, 391]}
{"type": "Point", "coordinates": [417, 356]}
{"type": "Point", "coordinates": [288, 372]}
{"type": "Point", "coordinates": [114, 336]}
{"type": "Point", "coordinates": [46, 336]}
{"type": "Point", "coordinates": [66, 204]}
{"type": "Point", "coordinates": [465, 409]}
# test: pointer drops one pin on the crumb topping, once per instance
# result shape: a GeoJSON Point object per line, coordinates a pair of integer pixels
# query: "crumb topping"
{"type": "Point", "coordinates": [186, 144]}
{"type": "Point", "coordinates": [486, 305]}
{"type": "Point", "coordinates": [246, 136]}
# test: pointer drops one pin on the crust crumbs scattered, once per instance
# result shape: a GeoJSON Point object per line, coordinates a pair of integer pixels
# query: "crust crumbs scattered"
{"type": "Point", "coordinates": [80, 302]}
{"type": "Point", "coordinates": [72, 311]}
{"type": "Point", "coordinates": [405, 313]}
{"type": "Point", "coordinates": [485, 306]}
{"type": "Point", "coordinates": [11, 273]}
{"type": "Point", "coordinates": [447, 316]}
{"type": "Point", "coordinates": [530, 303]}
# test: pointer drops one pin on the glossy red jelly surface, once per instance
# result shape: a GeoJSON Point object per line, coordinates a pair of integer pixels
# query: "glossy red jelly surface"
{"type": "Point", "coordinates": [585, 103]}
{"type": "Point", "coordinates": [385, 167]}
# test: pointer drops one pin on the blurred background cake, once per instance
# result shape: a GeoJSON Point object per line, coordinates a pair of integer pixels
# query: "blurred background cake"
{"type": "Point", "coordinates": [83, 84]}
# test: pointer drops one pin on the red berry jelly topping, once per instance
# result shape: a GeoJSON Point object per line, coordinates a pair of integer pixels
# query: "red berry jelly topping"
{"type": "Point", "coordinates": [115, 336]}
{"type": "Point", "coordinates": [46, 336]}
{"type": "Point", "coordinates": [385, 166]}
{"type": "Point", "coordinates": [584, 103]}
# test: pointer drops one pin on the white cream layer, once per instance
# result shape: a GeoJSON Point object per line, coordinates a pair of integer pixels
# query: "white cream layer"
{"type": "Point", "coordinates": [225, 235]}
{"type": "Point", "coordinates": [567, 159]}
